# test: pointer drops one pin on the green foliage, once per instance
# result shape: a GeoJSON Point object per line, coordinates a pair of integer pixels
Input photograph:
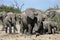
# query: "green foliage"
{"type": "Point", "coordinates": [54, 19]}
{"type": "Point", "coordinates": [54, 8]}
{"type": "Point", "coordinates": [9, 9]}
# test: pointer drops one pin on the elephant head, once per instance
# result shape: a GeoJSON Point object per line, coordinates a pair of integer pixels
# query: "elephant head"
{"type": "Point", "coordinates": [2, 15]}
{"type": "Point", "coordinates": [18, 18]}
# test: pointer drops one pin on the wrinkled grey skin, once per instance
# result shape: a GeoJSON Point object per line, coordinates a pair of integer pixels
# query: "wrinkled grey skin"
{"type": "Point", "coordinates": [2, 16]}
{"type": "Point", "coordinates": [19, 20]}
{"type": "Point", "coordinates": [54, 13]}
{"type": "Point", "coordinates": [23, 23]}
{"type": "Point", "coordinates": [28, 21]}
{"type": "Point", "coordinates": [7, 23]}
{"type": "Point", "coordinates": [50, 27]}
{"type": "Point", "coordinates": [13, 21]}
{"type": "Point", "coordinates": [40, 18]}
{"type": "Point", "coordinates": [51, 14]}
{"type": "Point", "coordinates": [31, 17]}
{"type": "Point", "coordinates": [10, 21]}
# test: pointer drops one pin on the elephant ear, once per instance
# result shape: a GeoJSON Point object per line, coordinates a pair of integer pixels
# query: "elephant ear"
{"type": "Point", "coordinates": [51, 14]}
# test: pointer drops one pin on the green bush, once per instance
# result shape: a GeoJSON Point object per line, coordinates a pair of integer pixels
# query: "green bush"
{"type": "Point", "coordinates": [9, 9]}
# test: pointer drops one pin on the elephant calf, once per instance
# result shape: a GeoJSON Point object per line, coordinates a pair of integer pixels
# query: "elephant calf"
{"type": "Point", "coordinates": [50, 27]}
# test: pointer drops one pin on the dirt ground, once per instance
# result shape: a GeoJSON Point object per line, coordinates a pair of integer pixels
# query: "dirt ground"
{"type": "Point", "coordinates": [19, 36]}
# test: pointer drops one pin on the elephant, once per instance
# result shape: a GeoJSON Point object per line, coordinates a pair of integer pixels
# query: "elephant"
{"type": "Point", "coordinates": [2, 16]}
{"type": "Point", "coordinates": [50, 27]}
{"type": "Point", "coordinates": [10, 21]}
{"type": "Point", "coordinates": [54, 15]}
{"type": "Point", "coordinates": [7, 23]}
{"type": "Point", "coordinates": [13, 21]}
{"type": "Point", "coordinates": [40, 18]}
{"type": "Point", "coordinates": [28, 21]}
{"type": "Point", "coordinates": [51, 14]}
{"type": "Point", "coordinates": [18, 18]}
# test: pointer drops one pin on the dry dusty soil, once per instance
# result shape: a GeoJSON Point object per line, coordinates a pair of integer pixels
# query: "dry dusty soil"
{"type": "Point", "coordinates": [19, 36]}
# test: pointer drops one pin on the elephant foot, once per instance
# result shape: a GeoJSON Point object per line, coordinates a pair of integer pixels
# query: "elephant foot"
{"type": "Point", "coordinates": [48, 33]}
{"type": "Point", "coordinates": [15, 32]}
{"type": "Point", "coordinates": [28, 33]}
{"type": "Point", "coordinates": [37, 34]}
{"type": "Point", "coordinates": [6, 29]}
{"type": "Point", "coordinates": [10, 32]}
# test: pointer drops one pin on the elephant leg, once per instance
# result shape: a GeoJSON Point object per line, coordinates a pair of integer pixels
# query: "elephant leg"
{"type": "Point", "coordinates": [6, 29]}
{"type": "Point", "coordinates": [29, 29]}
{"type": "Point", "coordinates": [49, 29]}
{"type": "Point", "coordinates": [53, 30]}
{"type": "Point", "coordinates": [42, 31]}
{"type": "Point", "coordinates": [41, 28]}
{"type": "Point", "coordinates": [26, 30]}
{"type": "Point", "coordinates": [10, 30]}
{"type": "Point", "coordinates": [22, 28]}
{"type": "Point", "coordinates": [15, 29]}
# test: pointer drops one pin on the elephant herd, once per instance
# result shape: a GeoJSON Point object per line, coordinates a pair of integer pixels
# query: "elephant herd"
{"type": "Point", "coordinates": [31, 21]}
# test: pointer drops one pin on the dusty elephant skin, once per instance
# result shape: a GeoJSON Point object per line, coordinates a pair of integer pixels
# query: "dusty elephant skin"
{"type": "Point", "coordinates": [28, 21]}
{"type": "Point", "coordinates": [49, 26]}
{"type": "Point", "coordinates": [9, 21]}
{"type": "Point", "coordinates": [4, 36]}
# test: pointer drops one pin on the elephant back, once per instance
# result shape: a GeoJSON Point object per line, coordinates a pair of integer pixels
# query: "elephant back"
{"type": "Point", "coordinates": [30, 12]}
{"type": "Point", "coordinates": [46, 24]}
{"type": "Point", "coordinates": [54, 24]}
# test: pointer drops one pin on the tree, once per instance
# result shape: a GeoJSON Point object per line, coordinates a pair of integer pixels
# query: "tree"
{"type": "Point", "coordinates": [9, 9]}
{"type": "Point", "coordinates": [17, 5]}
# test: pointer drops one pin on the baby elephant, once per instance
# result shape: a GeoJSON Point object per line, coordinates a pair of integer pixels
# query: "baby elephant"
{"type": "Point", "coordinates": [50, 27]}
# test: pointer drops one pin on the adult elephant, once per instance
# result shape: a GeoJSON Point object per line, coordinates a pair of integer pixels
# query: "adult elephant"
{"type": "Point", "coordinates": [28, 20]}
{"type": "Point", "coordinates": [2, 16]}
{"type": "Point", "coordinates": [7, 23]}
{"type": "Point", "coordinates": [40, 18]}
{"type": "Point", "coordinates": [53, 15]}
{"type": "Point", "coordinates": [10, 21]}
